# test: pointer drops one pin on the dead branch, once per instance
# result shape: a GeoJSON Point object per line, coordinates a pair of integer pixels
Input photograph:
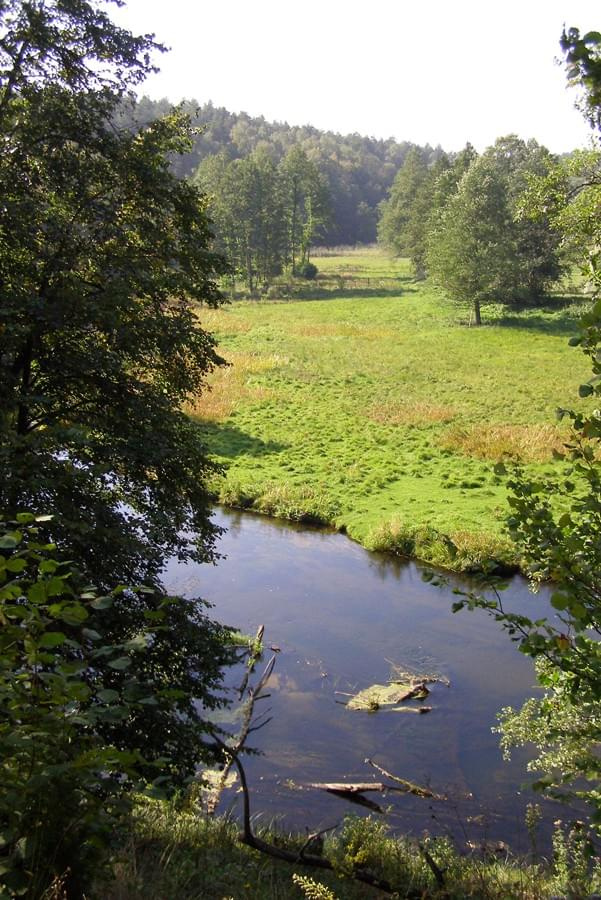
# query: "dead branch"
{"type": "Point", "coordinates": [319, 862]}
{"type": "Point", "coordinates": [254, 655]}
{"type": "Point", "coordinates": [254, 694]}
{"type": "Point", "coordinates": [313, 838]}
{"type": "Point", "coordinates": [301, 856]}
{"type": "Point", "coordinates": [354, 787]}
{"type": "Point", "coordinates": [407, 786]}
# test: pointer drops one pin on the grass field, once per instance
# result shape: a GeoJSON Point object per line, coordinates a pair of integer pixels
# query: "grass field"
{"type": "Point", "coordinates": [378, 409]}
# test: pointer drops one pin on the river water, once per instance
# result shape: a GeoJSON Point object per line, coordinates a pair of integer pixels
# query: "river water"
{"type": "Point", "coordinates": [341, 616]}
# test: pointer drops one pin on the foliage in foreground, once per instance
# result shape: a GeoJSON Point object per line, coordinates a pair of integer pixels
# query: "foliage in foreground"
{"type": "Point", "coordinates": [102, 249]}
{"type": "Point", "coordinates": [556, 521]}
{"type": "Point", "coordinates": [177, 852]}
{"type": "Point", "coordinates": [88, 713]}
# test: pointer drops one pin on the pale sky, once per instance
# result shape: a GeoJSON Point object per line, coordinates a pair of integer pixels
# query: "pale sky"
{"type": "Point", "coordinates": [428, 71]}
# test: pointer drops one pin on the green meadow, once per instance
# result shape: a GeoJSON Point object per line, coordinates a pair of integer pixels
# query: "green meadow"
{"type": "Point", "coordinates": [367, 401]}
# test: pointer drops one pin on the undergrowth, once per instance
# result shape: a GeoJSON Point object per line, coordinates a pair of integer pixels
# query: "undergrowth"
{"type": "Point", "coordinates": [178, 853]}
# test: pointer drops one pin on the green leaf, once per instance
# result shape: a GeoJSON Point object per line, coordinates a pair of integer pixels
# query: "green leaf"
{"type": "Point", "coordinates": [585, 390]}
{"type": "Point", "coordinates": [73, 614]}
{"type": "Point", "coordinates": [139, 642]}
{"type": "Point", "coordinates": [122, 662]}
{"type": "Point", "coordinates": [16, 564]}
{"type": "Point", "coordinates": [37, 592]}
{"type": "Point", "coordinates": [559, 601]}
{"type": "Point", "coordinates": [102, 603]}
{"type": "Point", "coordinates": [91, 634]}
{"type": "Point", "coordinates": [55, 586]}
{"type": "Point", "coordinates": [578, 611]}
{"type": "Point", "coordinates": [108, 696]}
{"type": "Point", "coordinates": [25, 518]}
{"type": "Point", "coordinates": [8, 542]}
{"type": "Point", "coordinates": [52, 639]}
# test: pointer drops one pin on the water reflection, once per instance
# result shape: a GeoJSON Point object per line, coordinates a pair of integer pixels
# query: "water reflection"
{"type": "Point", "coordinates": [341, 616]}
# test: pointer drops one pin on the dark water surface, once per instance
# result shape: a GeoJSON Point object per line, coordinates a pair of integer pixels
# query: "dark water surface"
{"type": "Point", "coordinates": [341, 615]}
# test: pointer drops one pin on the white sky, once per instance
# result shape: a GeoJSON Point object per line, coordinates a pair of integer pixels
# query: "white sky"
{"type": "Point", "coordinates": [429, 71]}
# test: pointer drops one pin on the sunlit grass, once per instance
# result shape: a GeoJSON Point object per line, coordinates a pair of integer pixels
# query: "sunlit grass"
{"type": "Point", "coordinates": [180, 853]}
{"type": "Point", "coordinates": [384, 405]}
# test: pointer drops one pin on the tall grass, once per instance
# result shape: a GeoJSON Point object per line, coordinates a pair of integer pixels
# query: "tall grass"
{"type": "Point", "coordinates": [179, 853]}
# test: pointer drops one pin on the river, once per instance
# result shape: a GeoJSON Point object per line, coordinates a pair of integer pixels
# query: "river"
{"type": "Point", "coordinates": [340, 616]}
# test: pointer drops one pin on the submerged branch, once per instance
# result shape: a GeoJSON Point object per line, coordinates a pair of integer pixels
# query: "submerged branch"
{"type": "Point", "coordinates": [406, 786]}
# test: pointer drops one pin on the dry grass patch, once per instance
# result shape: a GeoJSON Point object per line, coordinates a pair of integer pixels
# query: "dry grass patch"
{"type": "Point", "coordinates": [222, 320]}
{"type": "Point", "coordinates": [474, 549]}
{"type": "Point", "coordinates": [228, 386]}
{"type": "Point", "coordinates": [529, 443]}
{"type": "Point", "coordinates": [414, 413]}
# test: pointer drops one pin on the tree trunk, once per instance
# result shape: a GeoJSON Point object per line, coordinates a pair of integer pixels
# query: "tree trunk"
{"type": "Point", "coordinates": [477, 318]}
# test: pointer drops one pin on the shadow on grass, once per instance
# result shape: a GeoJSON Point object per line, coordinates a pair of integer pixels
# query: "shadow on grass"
{"type": "Point", "coordinates": [229, 441]}
{"type": "Point", "coordinates": [352, 293]}
{"type": "Point", "coordinates": [558, 315]}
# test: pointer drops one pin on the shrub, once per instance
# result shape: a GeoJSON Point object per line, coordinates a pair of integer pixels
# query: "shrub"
{"type": "Point", "coordinates": [306, 270]}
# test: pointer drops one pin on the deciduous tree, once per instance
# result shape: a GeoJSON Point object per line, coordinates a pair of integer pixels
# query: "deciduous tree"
{"type": "Point", "coordinates": [102, 255]}
{"type": "Point", "coordinates": [479, 248]}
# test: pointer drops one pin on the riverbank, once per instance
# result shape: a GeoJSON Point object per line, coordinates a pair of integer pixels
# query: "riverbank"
{"type": "Point", "coordinates": [367, 403]}
{"type": "Point", "coordinates": [177, 853]}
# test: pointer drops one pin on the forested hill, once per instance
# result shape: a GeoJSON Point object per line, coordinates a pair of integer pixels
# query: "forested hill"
{"type": "Point", "coordinates": [358, 170]}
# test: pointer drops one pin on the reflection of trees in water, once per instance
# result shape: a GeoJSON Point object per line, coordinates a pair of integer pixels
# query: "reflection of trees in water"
{"type": "Point", "coordinates": [388, 566]}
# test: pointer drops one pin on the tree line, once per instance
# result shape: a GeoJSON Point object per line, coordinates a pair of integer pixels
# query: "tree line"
{"type": "Point", "coordinates": [357, 171]}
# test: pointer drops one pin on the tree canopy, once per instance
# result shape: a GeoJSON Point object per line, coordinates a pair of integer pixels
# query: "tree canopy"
{"type": "Point", "coordinates": [101, 250]}
{"type": "Point", "coordinates": [266, 216]}
{"type": "Point", "coordinates": [556, 520]}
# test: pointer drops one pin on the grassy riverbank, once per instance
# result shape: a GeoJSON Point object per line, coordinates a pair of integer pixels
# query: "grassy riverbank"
{"type": "Point", "coordinates": [178, 854]}
{"type": "Point", "coordinates": [368, 403]}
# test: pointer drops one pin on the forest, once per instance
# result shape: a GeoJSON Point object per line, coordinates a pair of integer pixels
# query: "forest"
{"type": "Point", "coordinates": [356, 171]}
{"type": "Point", "coordinates": [402, 394]}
